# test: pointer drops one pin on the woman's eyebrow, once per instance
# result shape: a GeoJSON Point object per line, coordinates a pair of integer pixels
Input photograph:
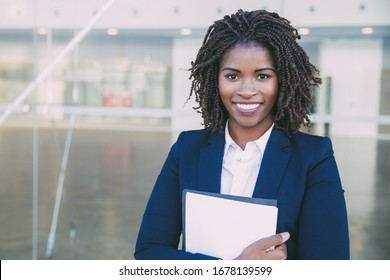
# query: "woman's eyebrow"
{"type": "Point", "coordinates": [231, 69]}
{"type": "Point", "coordinates": [257, 70]}
{"type": "Point", "coordinates": [263, 69]}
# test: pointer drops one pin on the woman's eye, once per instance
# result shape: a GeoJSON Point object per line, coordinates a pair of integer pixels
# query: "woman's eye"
{"type": "Point", "coordinates": [231, 77]}
{"type": "Point", "coordinates": [262, 76]}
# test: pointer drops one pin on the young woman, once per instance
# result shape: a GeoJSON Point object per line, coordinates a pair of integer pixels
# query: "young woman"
{"type": "Point", "coordinates": [253, 83]}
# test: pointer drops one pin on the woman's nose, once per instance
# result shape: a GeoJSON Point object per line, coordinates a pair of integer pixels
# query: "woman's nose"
{"type": "Point", "coordinates": [247, 90]}
{"type": "Point", "coordinates": [247, 94]}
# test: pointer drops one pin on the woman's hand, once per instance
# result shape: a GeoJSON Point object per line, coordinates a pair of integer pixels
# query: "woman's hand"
{"type": "Point", "coordinates": [269, 248]}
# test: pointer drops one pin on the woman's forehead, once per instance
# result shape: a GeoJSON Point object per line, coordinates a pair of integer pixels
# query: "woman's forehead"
{"type": "Point", "coordinates": [240, 50]}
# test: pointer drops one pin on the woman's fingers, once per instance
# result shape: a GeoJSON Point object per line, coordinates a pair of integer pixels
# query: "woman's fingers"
{"type": "Point", "coordinates": [270, 242]}
{"type": "Point", "coordinates": [272, 248]}
{"type": "Point", "coordinates": [278, 253]}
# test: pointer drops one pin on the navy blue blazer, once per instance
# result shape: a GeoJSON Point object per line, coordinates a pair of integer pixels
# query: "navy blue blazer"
{"type": "Point", "coordinates": [300, 172]}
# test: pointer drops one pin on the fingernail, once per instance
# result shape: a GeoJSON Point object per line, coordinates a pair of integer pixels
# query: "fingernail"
{"type": "Point", "coordinates": [285, 236]}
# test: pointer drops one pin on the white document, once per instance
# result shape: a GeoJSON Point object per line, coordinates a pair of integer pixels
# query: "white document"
{"type": "Point", "coordinates": [223, 225]}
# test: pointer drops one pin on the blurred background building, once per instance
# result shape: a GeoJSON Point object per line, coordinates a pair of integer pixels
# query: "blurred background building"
{"type": "Point", "coordinates": [93, 93]}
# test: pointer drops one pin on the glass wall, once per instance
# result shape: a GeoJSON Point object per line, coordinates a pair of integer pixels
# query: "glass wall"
{"type": "Point", "coordinates": [125, 72]}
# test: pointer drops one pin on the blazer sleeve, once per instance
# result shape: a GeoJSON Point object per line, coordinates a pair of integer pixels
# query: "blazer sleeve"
{"type": "Point", "coordinates": [323, 221]}
{"type": "Point", "coordinates": [161, 226]}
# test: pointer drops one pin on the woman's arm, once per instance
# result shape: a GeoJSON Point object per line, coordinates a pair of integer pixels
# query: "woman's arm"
{"type": "Point", "coordinates": [161, 225]}
{"type": "Point", "coordinates": [323, 224]}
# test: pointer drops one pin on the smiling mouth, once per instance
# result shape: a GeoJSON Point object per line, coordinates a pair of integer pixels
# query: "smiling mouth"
{"type": "Point", "coordinates": [247, 108]}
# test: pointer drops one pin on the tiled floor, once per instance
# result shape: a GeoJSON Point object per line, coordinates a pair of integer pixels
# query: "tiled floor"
{"type": "Point", "coordinates": [108, 180]}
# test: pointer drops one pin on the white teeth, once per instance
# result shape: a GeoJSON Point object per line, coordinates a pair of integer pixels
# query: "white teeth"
{"type": "Point", "coordinates": [247, 106]}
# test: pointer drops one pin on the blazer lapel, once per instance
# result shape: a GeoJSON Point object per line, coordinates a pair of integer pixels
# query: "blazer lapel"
{"type": "Point", "coordinates": [274, 163]}
{"type": "Point", "coordinates": [210, 163]}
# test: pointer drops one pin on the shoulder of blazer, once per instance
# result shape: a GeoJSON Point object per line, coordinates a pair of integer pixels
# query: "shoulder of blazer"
{"type": "Point", "coordinates": [308, 141]}
{"type": "Point", "coordinates": [303, 144]}
{"type": "Point", "coordinates": [196, 139]}
{"type": "Point", "coordinates": [312, 148]}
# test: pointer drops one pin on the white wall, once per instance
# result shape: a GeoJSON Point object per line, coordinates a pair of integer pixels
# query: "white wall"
{"type": "Point", "coordinates": [354, 66]}
{"type": "Point", "coordinates": [321, 13]}
{"type": "Point", "coordinates": [178, 13]}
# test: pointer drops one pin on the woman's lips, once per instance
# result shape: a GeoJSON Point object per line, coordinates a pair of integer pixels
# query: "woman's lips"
{"type": "Point", "coordinates": [247, 108]}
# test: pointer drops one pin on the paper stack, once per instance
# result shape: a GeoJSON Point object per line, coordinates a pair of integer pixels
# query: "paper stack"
{"type": "Point", "coordinates": [223, 225]}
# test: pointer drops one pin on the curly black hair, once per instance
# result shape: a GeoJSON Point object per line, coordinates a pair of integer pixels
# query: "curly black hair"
{"type": "Point", "coordinates": [296, 75]}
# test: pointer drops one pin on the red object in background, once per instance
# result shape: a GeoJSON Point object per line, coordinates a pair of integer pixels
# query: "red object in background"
{"type": "Point", "coordinates": [119, 99]}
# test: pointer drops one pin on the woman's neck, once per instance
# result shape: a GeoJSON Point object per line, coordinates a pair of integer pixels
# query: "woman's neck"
{"type": "Point", "coordinates": [242, 135]}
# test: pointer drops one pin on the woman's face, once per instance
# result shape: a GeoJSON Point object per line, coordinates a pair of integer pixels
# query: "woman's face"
{"type": "Point", "coordinates": [248, 85]}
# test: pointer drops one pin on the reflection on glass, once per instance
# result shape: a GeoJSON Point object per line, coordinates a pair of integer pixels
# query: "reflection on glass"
{"type": "Point", "coordinates": [120, 84]}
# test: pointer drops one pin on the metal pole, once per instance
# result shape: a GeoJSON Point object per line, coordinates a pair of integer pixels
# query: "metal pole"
{"type": "Point", "coordinates": [53, 228]}
{"type": "Point", "coordinates": [35, 195]}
